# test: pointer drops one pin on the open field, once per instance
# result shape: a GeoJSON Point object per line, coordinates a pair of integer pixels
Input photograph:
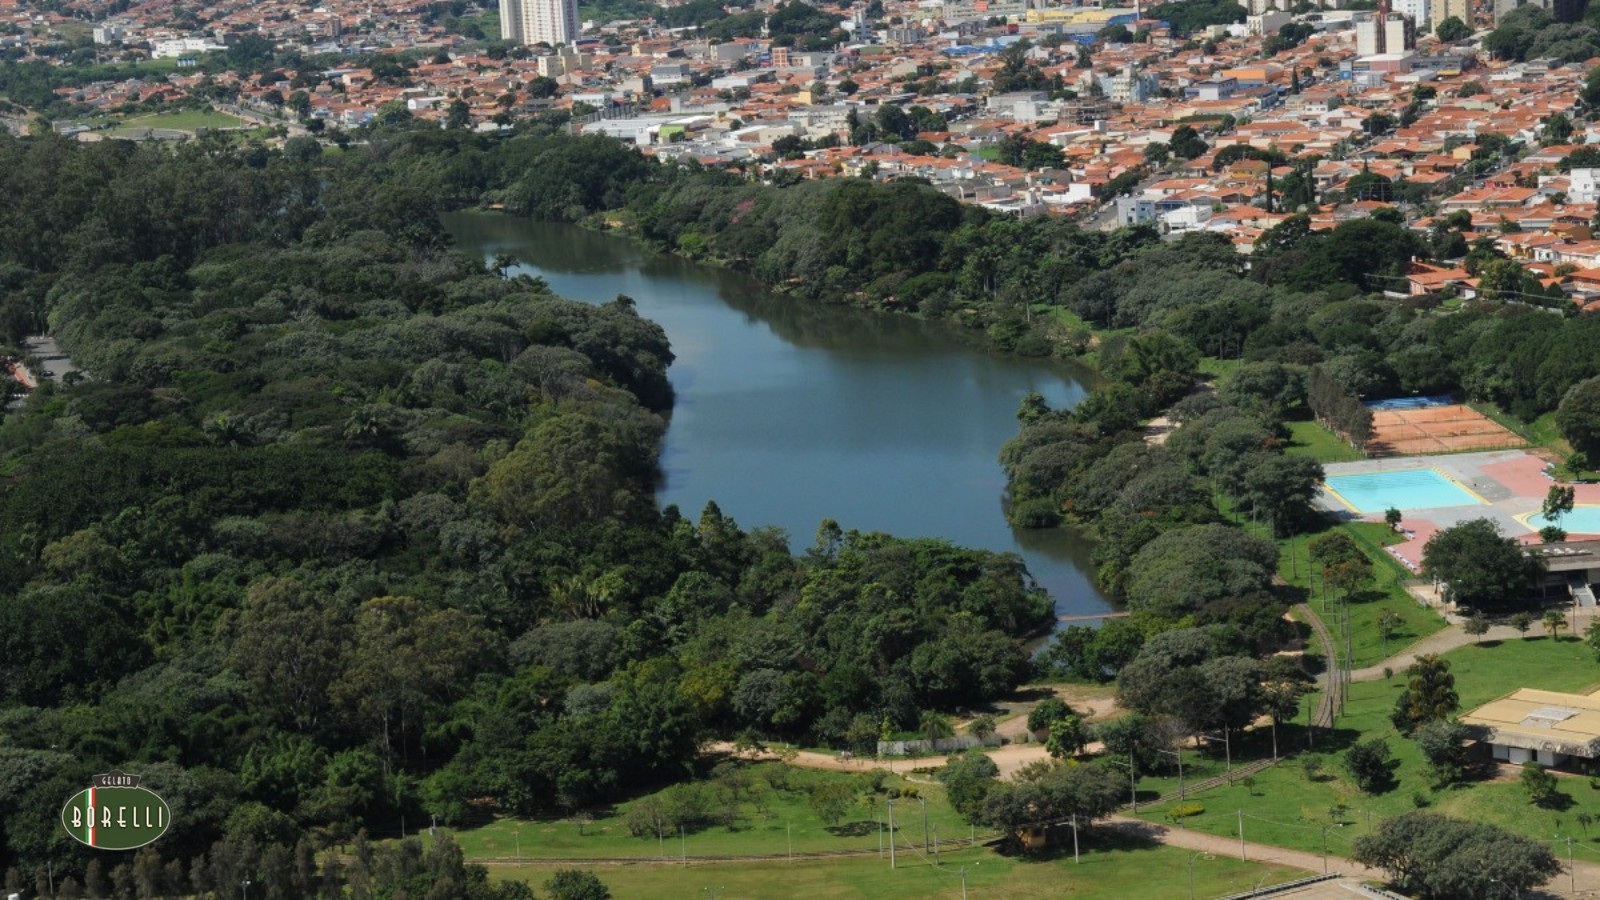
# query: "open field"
{"type": "Point", "coordinates": [1111, 871]}
{"type": "Point", "coordinates": [772, 816]}
{"type": "Point", "coordinates": [1437, 429]}
{"type": "Point", "coordinates": [178, 120]}
{"type": "Point", "coordinates": [1289, 809]}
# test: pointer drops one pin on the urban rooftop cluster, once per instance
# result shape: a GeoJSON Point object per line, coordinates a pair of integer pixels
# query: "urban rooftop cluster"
{"type": "Point", "coordinates": [1116, 115]}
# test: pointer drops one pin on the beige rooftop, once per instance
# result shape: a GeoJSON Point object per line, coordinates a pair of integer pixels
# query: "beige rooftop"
{"type": "Point", "coordinates": [1541, 720]}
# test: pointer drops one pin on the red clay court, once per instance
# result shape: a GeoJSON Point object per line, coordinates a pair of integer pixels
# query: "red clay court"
{"type": "Point", "coordinates": [1449, 428]}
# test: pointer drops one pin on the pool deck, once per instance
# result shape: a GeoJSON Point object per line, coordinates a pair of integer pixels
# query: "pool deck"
{"type": "Point", "coordinates": [1513, 483]}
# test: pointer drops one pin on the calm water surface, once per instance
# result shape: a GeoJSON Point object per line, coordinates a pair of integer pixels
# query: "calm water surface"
{"type": "Point", "coordinates": [790, 412]}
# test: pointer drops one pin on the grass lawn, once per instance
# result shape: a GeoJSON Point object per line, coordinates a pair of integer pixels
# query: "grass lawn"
{"type": "Point", "coordinates": [783, 819]}
{"type": "Point", "coordinates": [1386, 593]}
{"type": "Point", "coordinates": [1287, 808]}
{"type": "Point", "coordinates": [1109, 871]}
{"type": "Point", "coordinates": [184, 120]}
{"type": "Point", "coordinates": [1322, 445]}
{"type": "Point", "coordinates": [1219, 370]}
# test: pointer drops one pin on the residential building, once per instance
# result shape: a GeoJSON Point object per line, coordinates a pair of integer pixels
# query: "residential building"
{"type": "Point", "coordinates": [1583, 186]}
{"type": "Point", "coordinates": [1439, 10]}
{"type": "Point", "coordinates": [1418, 10]}
{"type": "Point", "coordinates": [1399, 34]}
{"type": "Point", "coordinates": [1265, 23]}
{"type": "Point", "coordinates": [550, 22]}
{"type": "Point", "coordinates": [1369, 37]}
{"type": "Point", "coordinates": [1130, 86]}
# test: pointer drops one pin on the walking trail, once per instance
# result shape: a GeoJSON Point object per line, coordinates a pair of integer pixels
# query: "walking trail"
{"type": "Point", "coordinates": [1010, 759]}
{"type": "Point", "coordinates": [1439, 642]}
{"type": "Point", "coordinates": [1587, 873]}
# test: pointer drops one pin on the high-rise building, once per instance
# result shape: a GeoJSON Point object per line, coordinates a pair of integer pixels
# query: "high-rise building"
{"type": "Point", "coordinates": [1444, 9]}
{"type": "Point", "coordinates": [1369, 37]}
{"type": "Point", "coordinates": [1418, 10]}
{"type": "Point", "coordinates": [1399, 35]}
{"type": "Point", "coordinates": [539, 21]}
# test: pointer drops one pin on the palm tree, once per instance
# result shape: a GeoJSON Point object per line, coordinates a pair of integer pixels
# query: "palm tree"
{"type": "Point", "coordinates": [1554, 621]}
{"type": "Point", "coordinates": [934, 725]}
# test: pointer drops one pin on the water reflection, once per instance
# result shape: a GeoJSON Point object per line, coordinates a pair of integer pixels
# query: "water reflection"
{"type": "Point", "coordinates": [789, 412]}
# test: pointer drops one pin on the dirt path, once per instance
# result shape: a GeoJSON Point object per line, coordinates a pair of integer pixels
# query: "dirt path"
{"type": "Point", "coordinates": [1010, 759]}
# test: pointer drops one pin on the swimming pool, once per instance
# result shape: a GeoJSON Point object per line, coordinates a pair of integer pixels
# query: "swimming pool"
{"type": "Point", "coordinates": [1403, 489]}
{"type": "Point", "coordinates": [1582, 520]}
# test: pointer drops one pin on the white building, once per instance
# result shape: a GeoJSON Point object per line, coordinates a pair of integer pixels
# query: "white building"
{"type": "Point", "coordinates": [1419, 11]}
{"type": "Point", "coordinates": [550, 22]}
{"type": "Point", "coordinates": [1399, 34]}
{"type": "Point", "coordinates": [1369, 37]}
{"type": "Point", "coordinates": [1130, 86]}
{"type": "Point", "coordinates": [1583, 185]}
{"type": "Point", "coordinates": [1266, 23]}
{"type": "Point", "coordinates": [182, 47]}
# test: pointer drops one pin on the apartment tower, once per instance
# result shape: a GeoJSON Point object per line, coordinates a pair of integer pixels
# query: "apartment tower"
{"type": "Point", "coordinates": [539, 21]}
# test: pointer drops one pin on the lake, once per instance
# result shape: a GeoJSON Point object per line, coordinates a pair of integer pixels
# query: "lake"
{"type": "Point", "coordinates": [789, 412]}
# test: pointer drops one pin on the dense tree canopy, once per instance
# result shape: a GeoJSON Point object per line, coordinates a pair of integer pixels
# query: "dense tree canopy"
{"type": "Point", "coordinates": [344, 527]}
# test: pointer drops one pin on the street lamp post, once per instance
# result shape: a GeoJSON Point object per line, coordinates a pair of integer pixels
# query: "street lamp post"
{"type": "Point", "coordinates": [1179, 757]}
{"type": "Point", "coordinates": [244, 889]}
{"type": "Point", "coordinates": [890, 804]}
{"type": "Point", "coordinates": [924, 802]}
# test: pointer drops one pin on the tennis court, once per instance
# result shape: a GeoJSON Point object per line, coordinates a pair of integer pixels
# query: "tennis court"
{"type": "Point", "coordinates": [1433, 428]}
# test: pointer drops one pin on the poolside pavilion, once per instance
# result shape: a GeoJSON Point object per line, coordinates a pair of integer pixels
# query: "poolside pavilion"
{"type": "Point", "coordinates": [1530, 725]}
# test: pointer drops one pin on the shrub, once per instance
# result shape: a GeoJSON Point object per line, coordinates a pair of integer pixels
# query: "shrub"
{"type": "Point", "coordinates": [1184, 811]}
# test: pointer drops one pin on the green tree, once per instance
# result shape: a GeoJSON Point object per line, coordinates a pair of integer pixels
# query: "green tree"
{"type": "Point", "coordinates": [1430, 693]}
{"type": "Point", "coordinates": [577, 884]}
{"type": "Point", "coordinates": [1522, 621]}
{"type": "Point", "coordinates": [967, 780]}
{"type": "Point", "coordinates": [1371, 766]}
{"type": "Point", "coordinates": [1068, 737]}
{"type": "Point", "coordinates": [1437, 858]}
{"type": "Point", "coordinates": [1052, 709]}
{"type": "Point", "coordinates": [1185, 143]}
{"type": "Point", "coordinates": [1444, 746]}
{"type": "Point", "coordinates": [1553, 622]}
{"type": "Point", "coordinates": [831, 800]}
{"type": "Point", "coordinates": [1452, 29]}
{"type": "Point", "coordinates": [1480, 568]}
{"type": "Point", "coordinates": [1578, 417]}
{"type": "Point", "coordinates": [291, 646]}
{"type": "Point", "coordinates": [981, 727]}
{"type": "Point", "coordinates": [1475, 626]}
{"type": "Point", "coordinates": [1388, 621]}
{"type": "Point", "coordinates": [1539, 784]}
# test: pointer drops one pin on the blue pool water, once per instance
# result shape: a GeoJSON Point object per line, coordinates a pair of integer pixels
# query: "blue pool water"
{"type": "Point", "coordinates": [1406, 489]}
{"type": "Point", "coordinates": [1582, 520]}
{"type": "Point", "coordinates": [1410, 402]}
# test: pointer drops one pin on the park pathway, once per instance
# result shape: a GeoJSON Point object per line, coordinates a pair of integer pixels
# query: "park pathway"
{"type": "Point", "coordinates": [1587, 881]}
{"type": "Point", "coordinates": [1450, 638]}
